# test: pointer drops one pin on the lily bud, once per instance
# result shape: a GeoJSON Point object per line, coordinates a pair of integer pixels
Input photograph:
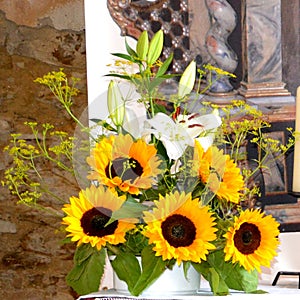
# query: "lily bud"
{"type": "Point", "coordinates": [155, 47]}
{"type": "Point", "coordinates": [142, 45]}
{"type": "Point", "coordinates": [187, 80]}
{"type": "Point", "coordinates": [115, 103]}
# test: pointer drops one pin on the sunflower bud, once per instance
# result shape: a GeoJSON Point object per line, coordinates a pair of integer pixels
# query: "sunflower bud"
{"type": "Point", "coordinates": [115, 103]}
{"type": "Point", "coordinates": [187, 80]}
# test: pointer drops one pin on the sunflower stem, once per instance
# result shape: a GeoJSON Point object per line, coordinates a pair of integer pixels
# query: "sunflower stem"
{"type": "Point", "coordinates": [115, 250]}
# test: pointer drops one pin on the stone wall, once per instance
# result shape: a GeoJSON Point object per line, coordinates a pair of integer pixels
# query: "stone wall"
{"type": "Point", "coordinates": [36, 37]}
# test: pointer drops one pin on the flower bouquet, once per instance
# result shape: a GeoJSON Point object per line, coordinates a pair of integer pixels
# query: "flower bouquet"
{"type": "Point", "coordinates": [165, 181]}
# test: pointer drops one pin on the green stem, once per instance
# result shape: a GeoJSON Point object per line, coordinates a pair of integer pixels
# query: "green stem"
{"type": "Point", "coordinates": [114, 249]}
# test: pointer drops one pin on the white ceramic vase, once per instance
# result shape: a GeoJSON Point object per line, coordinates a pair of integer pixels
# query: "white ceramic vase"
{"type": "Point", "coordinates": [171, 282]}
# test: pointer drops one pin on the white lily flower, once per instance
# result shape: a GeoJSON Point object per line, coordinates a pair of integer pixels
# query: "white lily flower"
{"type": "Point", "coordinates": [173, 136]}
{"type": "Point", "coordinates": [177, 135]}
{"type": "Point", "coordinates": [134, 118]}
{"type": "Point", "coordinates": [200, 127]}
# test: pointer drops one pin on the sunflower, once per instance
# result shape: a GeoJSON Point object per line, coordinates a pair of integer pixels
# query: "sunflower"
{"type": "Point", "coordinates": [118, 161]}
{"type": "Point", "coordinates": [87, 216]}
{"type": "Point", "coordinates": [252, 241]}
{"type": "Point", "coordinates": [220, 173]}
{"type": "Point", "coordinates": [180, 228]}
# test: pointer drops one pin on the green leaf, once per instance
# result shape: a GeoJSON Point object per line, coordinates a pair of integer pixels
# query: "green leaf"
{"type": "Point", "coordinates": [242, 280]}
{"type": "Point", "coordinates": [186, 266]}
{"type": "Point", "coordinates": [142, 45]}
{"type": "Point", "coordinates": [136, 242]}
{"type": "Point", "coordinates": [217, 284]}
{"type": "Point", "coordinates": [124, 56]}
{"type": "Point", "coordinates": [202, 268]}
{"type": "Point", "coordinates": [130, 51]}
{"type": "Point", "coordinates": [235, 276]}
{"type": "Point", "coordinates": [159, 108]}
{"type": "Point", "coordinates": [85, 277]}
{"type": "Point", "coordinates": [130, 209]}
{"type": "Point", "coordinates": [82, 253]}
{"type": "Point", "coordinates": [127, 268]}
{"type": "Point", "coordinates": [152, 194]}
{"type": "Point", "coordinates": [152, 267]}
{"type": "Point", "coordinates": [155, 47]}
{"type": "Point", "coordinates": [155, 83]}
{"type": "Point", "coordinates": [259, 292]}
{"type": "Point", "coordinates": [127, 77]}
{"type": "Point", "coordinates": [164, 67]}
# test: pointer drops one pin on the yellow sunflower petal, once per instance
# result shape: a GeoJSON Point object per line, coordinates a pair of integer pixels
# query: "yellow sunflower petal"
{"type": "Point", "coordinates": [120, 162]}
{"type": "Point", "coordinates": [219, 172]}
{"type": "Point", "coordinates": [87, 216]}
{"type": "Point", "coordinates": [252, 240]}
{"type": "Point", "coordinates": [180, 228]}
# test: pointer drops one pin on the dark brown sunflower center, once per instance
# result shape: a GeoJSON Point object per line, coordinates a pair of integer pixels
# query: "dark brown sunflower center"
{"type": "Point", "coordinates": [178, 230]}
{"type": "Point", "coordinates": [247, 238]}
{"type": "Point", "coordinates": [125, 168]}
{"type": "Point", "coordinates": [93, 222]}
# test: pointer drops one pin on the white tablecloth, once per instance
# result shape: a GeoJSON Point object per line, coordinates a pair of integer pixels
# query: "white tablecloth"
{"type": "Point", "coordinates": [284, 289]}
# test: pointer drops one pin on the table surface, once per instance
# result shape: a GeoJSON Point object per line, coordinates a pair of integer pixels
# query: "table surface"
{"type": "Point", "coordinates": [285, 287]}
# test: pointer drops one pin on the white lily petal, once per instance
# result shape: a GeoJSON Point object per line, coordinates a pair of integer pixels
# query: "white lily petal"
{"type": "Point", "coordinates": [168, 129]}
{"type": "Point", "coordinates": [174, 137]}
{"type": "Point", "coordinates": [162, 122]}
{"type": "Point", "coordinates": [194, 131]}
{"type": "Point", "coordinates": [134, 122]}
{"type": "Point", "coordinates": [135, 114]}
{"type": "Point", "coordinates": [174, 149]}
{"type": "Point", "coordinates": [206, 141]}
{"type": "Point", "coordinates": [196, 125]}
{"type": "Point", "coordinates": [209, 121]}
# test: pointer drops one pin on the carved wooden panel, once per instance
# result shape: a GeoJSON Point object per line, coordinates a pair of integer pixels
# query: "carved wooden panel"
{"type": "Point", "coordinates": [172, 16]}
